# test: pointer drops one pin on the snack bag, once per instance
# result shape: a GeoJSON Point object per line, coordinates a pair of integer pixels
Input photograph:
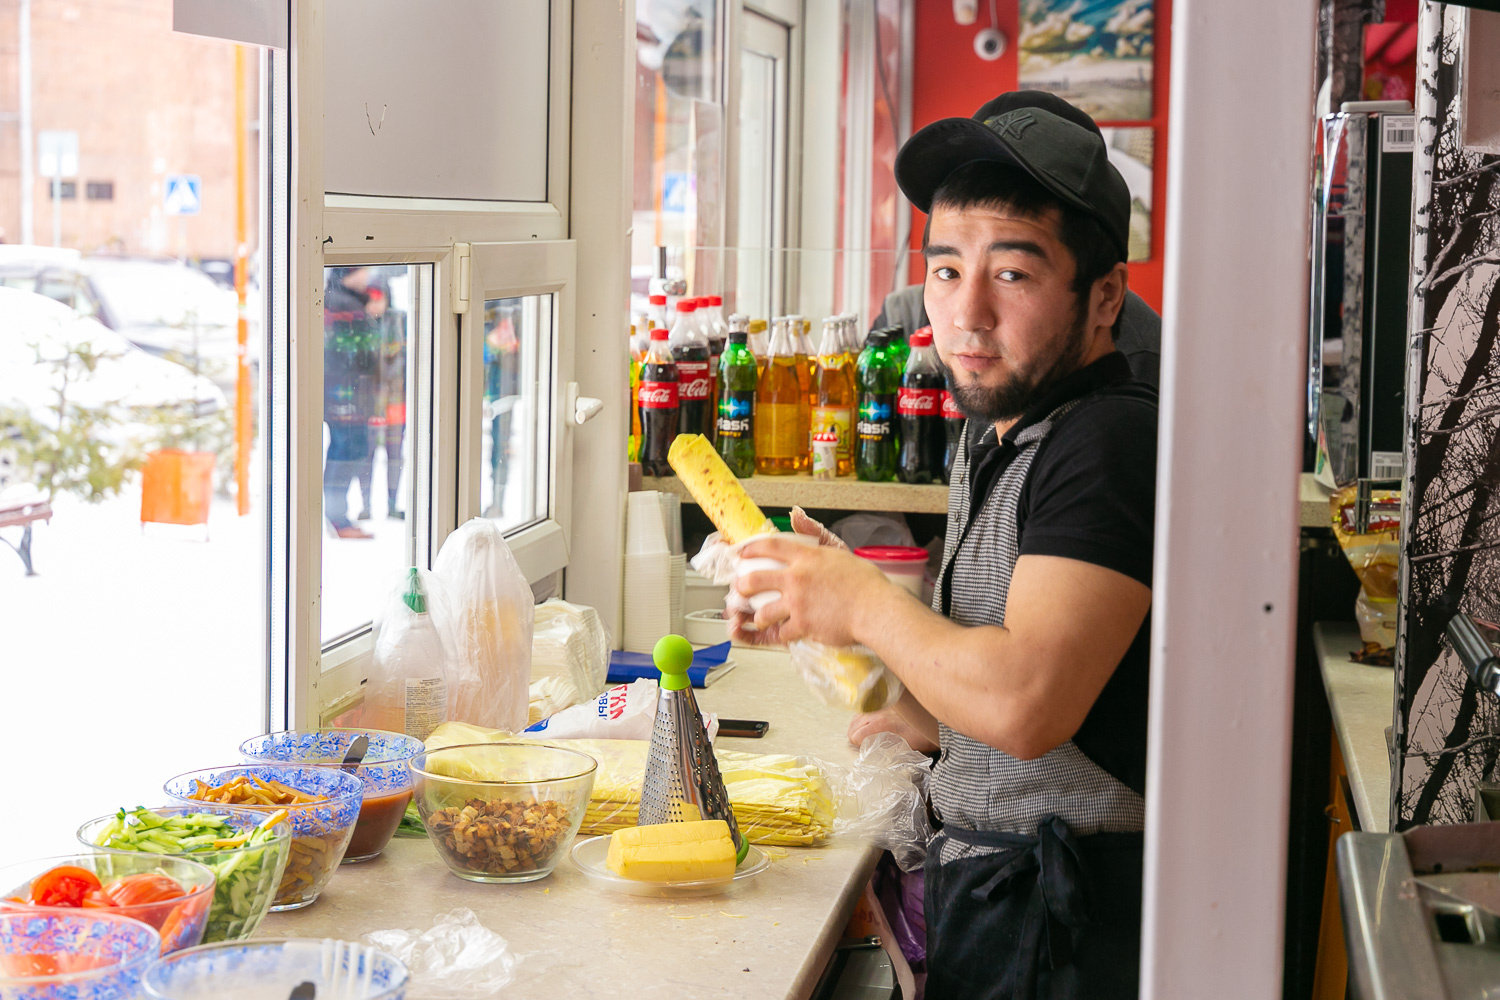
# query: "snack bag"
{"type": "Point", "coordinates": [1375, 555]}
{"type": "Point", "coordinates": [623, 712]}
{"type": "Point", "coordinates": [495, 612]}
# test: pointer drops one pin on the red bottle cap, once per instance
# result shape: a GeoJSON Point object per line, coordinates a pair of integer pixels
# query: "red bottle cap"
{"type": "Point", "coordinates": [658, 300]}
{"type": "Point", "coordinates": [686, 305]}
{"type": "Point", "coordinates": [892, 553]}
{"type": "Point", "coordinates": [659, 333]}
{"type": "Point", "coordinates": [922, 338]}
{"type": "Point", "coordinates": [716, 300]}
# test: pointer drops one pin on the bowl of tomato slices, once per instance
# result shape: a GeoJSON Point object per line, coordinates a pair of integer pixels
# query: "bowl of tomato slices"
{"type": "Point", "coordinates": [171, 895]}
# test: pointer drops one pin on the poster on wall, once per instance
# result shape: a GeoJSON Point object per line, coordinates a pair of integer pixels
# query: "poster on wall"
{"type": "Point", "coordinates": [1096, 54]}
{"type": "Point", "coordinates": [1131, 150]}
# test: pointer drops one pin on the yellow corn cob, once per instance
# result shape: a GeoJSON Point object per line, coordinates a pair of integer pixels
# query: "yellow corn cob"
{"type": "Point", "coordinates": [716, 489]}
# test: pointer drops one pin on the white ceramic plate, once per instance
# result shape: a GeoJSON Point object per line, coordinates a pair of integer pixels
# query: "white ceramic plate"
{"type": "Point", "coordinates": [590, 857]}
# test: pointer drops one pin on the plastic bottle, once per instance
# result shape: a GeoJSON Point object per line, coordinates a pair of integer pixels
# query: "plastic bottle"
{"type": "Point", "coordinates": [408, 687]}
{"type": "Point", "coordinates": [657, 399]}
{"type": "Point", "coordinates": [877, 441]}
{"type": "Point", "coordinates": [738, 382]}
{"type": "Point", "coordinates": [924, 438]}
{"type": "Point", "coordinates": [953, 421]}
{"type": "Point", "coordinates": [633, 448]}
{"type": "Point", "coordinates": [835, 393]}
{"type": "Point", "coordinates": [657, 311]}
{"type": "Point", "coordinates": [690, 351]}
{"type": "Point", "coordinates": [760, 343]}
{"type": "Point", "coordinates": [781, 425]}
{"type": "Point", "coordinates": [717, 332]}
{"type": "Point", "coordinates": [898, 345]}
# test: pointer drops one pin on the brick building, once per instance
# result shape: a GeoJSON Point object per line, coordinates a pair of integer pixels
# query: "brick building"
{"type": "Point", "coordinates": [146, 103]}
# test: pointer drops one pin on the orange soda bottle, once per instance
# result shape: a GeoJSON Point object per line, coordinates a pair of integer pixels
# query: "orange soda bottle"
{"type": "Point", "coordinates": [834, 392]}
{"type": "Point", "coordinates": [781, 415]}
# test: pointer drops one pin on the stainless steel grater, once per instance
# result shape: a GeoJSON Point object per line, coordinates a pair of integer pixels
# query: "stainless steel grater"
{"type": "Point", "coordinates": [682, 777]}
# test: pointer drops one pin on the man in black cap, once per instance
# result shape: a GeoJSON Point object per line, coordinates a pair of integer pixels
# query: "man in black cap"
{"type": "Point", "coordinates": [1030, 668]}
{"type": "Point", "coordinates": [1139, 335]}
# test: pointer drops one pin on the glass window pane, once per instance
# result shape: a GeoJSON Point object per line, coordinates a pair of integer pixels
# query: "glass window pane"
{"type": "Point", "coordinates": [143, 630]}
{"type": "Point", "coordinates": [517, 409]}
{"type": "Point", "coordinates": [375, 331]}
{"type": "Point", "coordinates": [757, 179]}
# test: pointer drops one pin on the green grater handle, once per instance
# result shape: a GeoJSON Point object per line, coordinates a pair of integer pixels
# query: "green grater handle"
{"type": "Point", "coordinates": [673, 655]}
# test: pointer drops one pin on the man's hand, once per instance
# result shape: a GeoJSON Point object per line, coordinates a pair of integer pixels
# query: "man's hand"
{"type": "Point", "coordinates": [737, 608]}
{"type": "Point", "coordinates": [822, 591]}
{"type": "Point", "coordinates": [889, 720]}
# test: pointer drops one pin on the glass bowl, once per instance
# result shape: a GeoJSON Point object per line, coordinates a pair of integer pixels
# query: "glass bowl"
{"type": "Point", "coordinates": [271, 968]}
{"type": "Point", "coordinates": [320, 830]}
{"type": "Point", "coordinates": [73, 955]}
{"type": "Point", "coordinates": [502, 812]}
{"type": "Point", "coordinates": [383, 770]}
{"type": "Point", "coordinates": [246, 878]}
{"type": "Point", "coordinates": [180, 921]}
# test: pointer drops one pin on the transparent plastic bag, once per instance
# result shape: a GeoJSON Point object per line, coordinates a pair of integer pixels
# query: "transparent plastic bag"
{"type": "Point", "coordinates": [495, 616]}
{"type": "Point", "coordinates": [457, 958]}
{"type": "Point", "coordinates": [849, 677]}
{"type": "Point", "coordinates": [570, 640]}
{"type": "Point", "coordinates": [416, 657]}
{"type": "Point", "coordinates": [882, 798]}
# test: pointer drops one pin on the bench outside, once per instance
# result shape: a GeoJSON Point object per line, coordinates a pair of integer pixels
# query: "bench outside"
{"type": "Point", "coordinates": [24, 515]}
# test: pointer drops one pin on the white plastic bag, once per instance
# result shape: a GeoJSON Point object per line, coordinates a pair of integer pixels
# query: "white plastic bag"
{"type": "Point", "coordinates": [849, 677]}
{"type": "Point", "coordinates": [882, 798]}
{"type": "Point", "coordinates": [623, 712]}
{"type": "Point", "coordinates": [495, 615]}
{"type": "Point", "coordinates": [457, 958]}
{"type": "Point", "coordinates": [416, 657]}
{"type": "Point", "coordinates": [570, 641]}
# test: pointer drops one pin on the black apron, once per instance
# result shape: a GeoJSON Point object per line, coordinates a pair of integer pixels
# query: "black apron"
{"type": "Point", "coordinates": [1050, 917]}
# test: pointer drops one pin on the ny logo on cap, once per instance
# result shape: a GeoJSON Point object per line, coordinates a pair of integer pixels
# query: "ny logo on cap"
{"type": "Point", "coordinates": [1012, 124]}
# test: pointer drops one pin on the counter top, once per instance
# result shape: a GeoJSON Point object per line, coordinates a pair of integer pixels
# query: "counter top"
{"type": "Point", "coordinates": [845, 493]}
{"type": "Point", "coordinates": [1362, 700]}
{"type": "Point", "coordinates": [1313, 499]}
{"type": "Point", "coordinates": [769, 937]}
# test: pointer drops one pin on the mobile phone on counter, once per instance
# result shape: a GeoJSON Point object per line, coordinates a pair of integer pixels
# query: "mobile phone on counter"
{"type": "Point", "coordinates": [749, 729]}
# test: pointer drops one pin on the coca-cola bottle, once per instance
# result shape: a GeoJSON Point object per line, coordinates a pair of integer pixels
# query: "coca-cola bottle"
{"type": "Point", "coordinates": [690, 351]}
{"type": "Point", "coordinates": [657, 398]}
{"type": "Point", "coordinates": [953, 420]}
{"type": "Point", "coordinates": [717, 332]}
{"type": "Point", "coordinates": [924, 438]}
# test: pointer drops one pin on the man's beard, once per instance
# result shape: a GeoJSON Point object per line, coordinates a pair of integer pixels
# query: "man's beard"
{"type": "Point", "coordinates": [1020, 390]}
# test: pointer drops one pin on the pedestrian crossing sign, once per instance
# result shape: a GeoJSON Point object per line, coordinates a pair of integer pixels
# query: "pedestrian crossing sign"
{"type": "Point", "coordinates": [182, 195]}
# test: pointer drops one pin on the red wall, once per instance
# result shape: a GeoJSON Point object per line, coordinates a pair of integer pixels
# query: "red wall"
{"type": "Point", "coordinates": [949, 80]}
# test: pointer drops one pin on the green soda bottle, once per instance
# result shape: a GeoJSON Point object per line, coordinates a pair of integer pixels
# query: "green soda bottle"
{"type": "Point", "coordinates": [736, 423]}
{"type": "Point", "coordinates": [877, 444]}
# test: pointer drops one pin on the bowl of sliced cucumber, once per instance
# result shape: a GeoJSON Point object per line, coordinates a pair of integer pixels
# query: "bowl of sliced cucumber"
{"type": "Point", "coordinates": [246, 849]}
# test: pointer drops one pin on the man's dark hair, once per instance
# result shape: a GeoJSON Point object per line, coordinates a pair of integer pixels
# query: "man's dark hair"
{"type": "Point", "coordinates": [983, 184]}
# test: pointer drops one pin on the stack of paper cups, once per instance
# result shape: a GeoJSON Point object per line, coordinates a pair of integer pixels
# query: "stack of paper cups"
{"type": "Point", "coordinates": [679, 592]}
{"type": "Point", "coordinates": [671, 515]}
{"type": "Point", "coordinates": [648, 573]}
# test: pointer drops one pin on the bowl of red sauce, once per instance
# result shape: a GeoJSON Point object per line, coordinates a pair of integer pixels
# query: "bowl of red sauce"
{"type": "Point", "coordinates": [387, 779]}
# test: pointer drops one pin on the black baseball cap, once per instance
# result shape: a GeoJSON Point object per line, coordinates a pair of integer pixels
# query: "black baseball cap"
{"type": "Point", "coordinates": [1026, 129]}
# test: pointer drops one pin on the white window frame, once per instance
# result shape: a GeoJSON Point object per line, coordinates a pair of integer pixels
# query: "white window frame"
{"type": "Point", "coordinates": [312, 684]}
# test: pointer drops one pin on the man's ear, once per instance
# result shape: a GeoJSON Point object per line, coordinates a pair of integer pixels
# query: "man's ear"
{"type": "Point", "coordinates": [1108, 297]}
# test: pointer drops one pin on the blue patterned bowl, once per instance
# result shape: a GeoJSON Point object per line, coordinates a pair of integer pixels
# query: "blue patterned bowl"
{"type": "Point", "coordinates": [78, 955]}
{"type": "Point", "coordinates": [246, 877]}
{"type": "Point", "coordinates": [383, 770]}
{"type": "Point", "coordinates": [320, 830]}
{"type": "Point", "coordinates": [272, 968]}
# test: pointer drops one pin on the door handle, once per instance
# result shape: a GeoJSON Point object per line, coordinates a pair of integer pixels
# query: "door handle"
{"type": "Point", "coordinates": [583, 408]}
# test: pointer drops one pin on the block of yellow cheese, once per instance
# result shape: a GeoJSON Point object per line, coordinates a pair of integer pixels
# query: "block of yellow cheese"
{"type": "Point", "coordinates": [673, 852]}
{"type": "Point", "coordinates": [716, 489]}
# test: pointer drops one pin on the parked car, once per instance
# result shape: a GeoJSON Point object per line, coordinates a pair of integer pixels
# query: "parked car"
{"type": "Point", "coordinates": [159, 304]}
{"type": "Point", "coordinates": [36, 330]}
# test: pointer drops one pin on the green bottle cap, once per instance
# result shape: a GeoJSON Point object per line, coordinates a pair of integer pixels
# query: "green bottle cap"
{"type": "Point", "coordinates": [673, 655]}
{"type": "Point", "coordinates": [414, 598]}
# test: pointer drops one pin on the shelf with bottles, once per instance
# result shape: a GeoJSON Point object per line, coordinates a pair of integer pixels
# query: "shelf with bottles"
{"type": "Point", "coordinates": [843, 493]}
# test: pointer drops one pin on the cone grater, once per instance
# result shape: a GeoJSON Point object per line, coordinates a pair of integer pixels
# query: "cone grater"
{"type": "Point", "coordinates": [682, 776]}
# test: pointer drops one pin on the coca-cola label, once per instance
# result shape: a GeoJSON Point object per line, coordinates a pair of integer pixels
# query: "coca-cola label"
{"type": "Point", "coordinates": [950, 408]}
{"type": "Point", "coordinates": [737, 414]}
{"type": "Point", "coordinates": [919, 402]}
{"type": "Point", "coordinates": [658, 395]}
{"type": "Point", "coordinates": [692, 380]}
